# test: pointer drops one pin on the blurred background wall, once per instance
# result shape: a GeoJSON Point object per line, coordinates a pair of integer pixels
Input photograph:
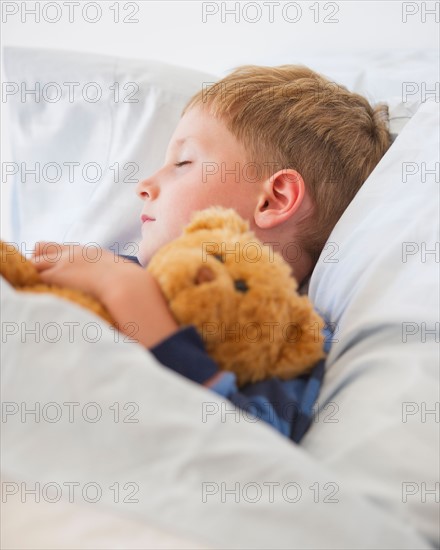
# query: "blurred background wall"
{"type": "Point", "coordinates": [216, 36]}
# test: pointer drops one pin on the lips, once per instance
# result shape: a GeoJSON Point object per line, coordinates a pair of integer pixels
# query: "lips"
{"type": "Point", "coordinates": [145, 218]}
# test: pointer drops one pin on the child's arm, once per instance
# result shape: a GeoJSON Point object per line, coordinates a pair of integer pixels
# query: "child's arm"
{"type": "Point", "coordinates": [139, 307]}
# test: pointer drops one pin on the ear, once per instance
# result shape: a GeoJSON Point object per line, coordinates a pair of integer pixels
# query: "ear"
{"type": "Point", "coordinates": [282, 196]}
{"type": "Point", "coordinates": [217, 217]}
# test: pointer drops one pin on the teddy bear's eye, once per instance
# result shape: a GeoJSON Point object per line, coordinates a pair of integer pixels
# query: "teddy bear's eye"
{"type": "Point", "coordinates": [219, 258]}
{"type": "Point", "coordinates": [240, 285]}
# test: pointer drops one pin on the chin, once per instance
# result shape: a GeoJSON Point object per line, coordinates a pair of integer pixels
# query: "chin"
{"type": "Point", "coordinates": [143, 257]}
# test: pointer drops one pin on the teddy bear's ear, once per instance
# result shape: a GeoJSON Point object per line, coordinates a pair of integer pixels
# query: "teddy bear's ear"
{"type": "Point", "coordinates": [217, 217]}
{"type": "Point", "coordinates": [303, 341]}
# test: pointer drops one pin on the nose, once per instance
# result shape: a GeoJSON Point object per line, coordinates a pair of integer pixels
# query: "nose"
{"type": "Point", "coordinates": [147, 189]}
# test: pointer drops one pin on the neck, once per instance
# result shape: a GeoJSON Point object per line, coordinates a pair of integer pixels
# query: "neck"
{"type": "Point", "coordinates": [301, 267]}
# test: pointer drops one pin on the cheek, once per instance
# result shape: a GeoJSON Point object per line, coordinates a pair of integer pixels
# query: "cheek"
{"type": "Point", "coordinates": [158, 233]}
{"type": "Point", "coordinates": [181, 213]}
{"type": "Point", "coordinates": [208, 194]}
{"type": "Point", "coordinates": [172, 219]}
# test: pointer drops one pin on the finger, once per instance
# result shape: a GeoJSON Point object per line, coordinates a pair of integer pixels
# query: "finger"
{"type": "Point", "coordinates": [43, 262]}
{"type": "Point", "coordinates": [47, 248]}
{"type": "Point", "coordinates": [37, 248]}
{"type": "Point", "coordinates": [46, 254]}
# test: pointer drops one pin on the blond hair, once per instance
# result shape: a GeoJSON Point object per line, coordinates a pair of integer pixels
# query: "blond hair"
{"type": "Point", "coordinates": [292, 117]}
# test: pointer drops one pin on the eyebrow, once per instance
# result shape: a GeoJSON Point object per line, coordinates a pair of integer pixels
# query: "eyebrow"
{"type": "Point", "coordinates": [181, 141]}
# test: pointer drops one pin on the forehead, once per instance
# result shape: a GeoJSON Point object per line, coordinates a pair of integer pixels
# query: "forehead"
{"type": "Point", "coordinates": [198, 125]}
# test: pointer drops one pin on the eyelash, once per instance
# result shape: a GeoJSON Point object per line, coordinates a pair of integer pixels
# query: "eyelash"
{"type": "Point", "coordinates": [182, 163]}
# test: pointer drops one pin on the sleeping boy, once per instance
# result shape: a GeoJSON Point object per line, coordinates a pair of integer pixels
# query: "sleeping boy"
{"type": "Point", "coordinates": [288, 150]}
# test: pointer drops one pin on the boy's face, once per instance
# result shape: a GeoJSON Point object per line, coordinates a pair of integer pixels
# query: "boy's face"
{"type": "Point", "coordinates": [204, 166]}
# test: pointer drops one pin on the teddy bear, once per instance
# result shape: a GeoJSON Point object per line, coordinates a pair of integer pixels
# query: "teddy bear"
{"type": "Point", "coordinates": [239, 294]}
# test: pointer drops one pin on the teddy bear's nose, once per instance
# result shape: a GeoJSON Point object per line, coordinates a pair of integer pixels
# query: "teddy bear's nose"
{"type": "Point", "coordinates": [203, 275]}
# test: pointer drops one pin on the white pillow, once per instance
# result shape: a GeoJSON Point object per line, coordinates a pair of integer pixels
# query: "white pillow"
{"type": "Point", "coordinates": [377, 283]}
{"type": "Point", "coordinates": [380, 246]}
{"type": "Point", "coordinates": [109, 131]}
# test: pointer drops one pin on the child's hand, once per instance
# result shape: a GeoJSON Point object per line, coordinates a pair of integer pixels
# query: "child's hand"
{"type": "Point", "coordinates": [130, 294]}
{"type": "Point", "coordinates": [90, 269]}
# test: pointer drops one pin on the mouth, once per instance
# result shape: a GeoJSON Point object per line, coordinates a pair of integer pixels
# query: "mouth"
{"type": "Point", "coordinates": [145, 218]}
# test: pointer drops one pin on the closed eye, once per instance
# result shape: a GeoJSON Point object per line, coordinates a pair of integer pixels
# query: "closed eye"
{"type": "Point", "coordinates": [182, 163]}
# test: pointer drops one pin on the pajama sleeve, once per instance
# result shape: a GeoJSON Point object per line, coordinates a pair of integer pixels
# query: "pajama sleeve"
{"type": "Point", "coordinates": [285, 405]}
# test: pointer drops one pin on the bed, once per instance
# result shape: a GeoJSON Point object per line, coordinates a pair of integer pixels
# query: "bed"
{"type": "Point", "coordinates": [103, 447]}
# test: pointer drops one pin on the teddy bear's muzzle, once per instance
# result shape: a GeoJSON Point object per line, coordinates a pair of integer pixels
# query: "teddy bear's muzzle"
{"type": "Point", "coordinates": [203, 275]}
